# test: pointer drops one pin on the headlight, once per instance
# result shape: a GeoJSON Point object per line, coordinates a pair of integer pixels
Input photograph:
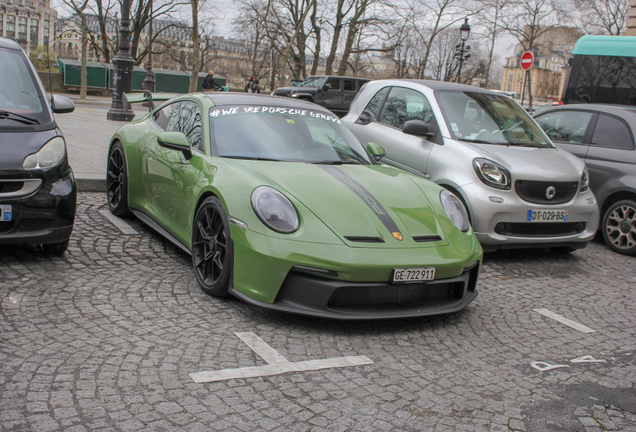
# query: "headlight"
{"type": "Point", "coordinates": [584, 184]}
{"type": "Point", "coordinates": [50, 154]}
{"type": "Point", "coordinates": [492, 174]}
{"type": "Point", "coordinates": [455, 210]}
{"type": "Point", "coordinates": [274, 210]}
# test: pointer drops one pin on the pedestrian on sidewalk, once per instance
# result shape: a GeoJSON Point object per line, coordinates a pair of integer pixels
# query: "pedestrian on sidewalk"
{"type": "Point", "coordinates": [249, 87]}
{"type": "Point", "coordinates": [209, 84]}
{"type": "Point", "coordinates": [256, 88]}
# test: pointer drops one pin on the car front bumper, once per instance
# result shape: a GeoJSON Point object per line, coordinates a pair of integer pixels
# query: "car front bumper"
{"type": "Point", "coordinates": [285, 275]}
{"type": "Point", "coordinates": [45, 215]}
{"type": "Point", "coordinates": [504, 224]}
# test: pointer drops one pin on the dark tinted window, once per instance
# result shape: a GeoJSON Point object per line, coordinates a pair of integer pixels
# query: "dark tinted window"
{"type": "Point", "coordinates": [186, 118]}
{"type": "Point", "coordinates": [403, 105]}
{"type": "Point", "coordinates": [612, 132]}
{"type": "Point", "coordinates": [602, 79]}
{"type": "Point", "coordinates": [565, 126]}
{"type": "Point", "coordinates": [349, 85]}
{"type": "Point", "coordinates": [335, 83]}
{"type": "Point", "coordinates": [375, 103]}
{"type": "Point", "coordinates": [162, 117]}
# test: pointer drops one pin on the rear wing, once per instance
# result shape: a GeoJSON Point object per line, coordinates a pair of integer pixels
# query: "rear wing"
{"type": "Point", "coordinates": [147, 96]}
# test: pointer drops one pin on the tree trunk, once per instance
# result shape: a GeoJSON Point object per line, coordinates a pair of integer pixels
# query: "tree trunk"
{"type": "Point", "coordinates": [196, 41]}
{"type": "Point", "coordinates": [492, 45]}
{"type": "Point", "coordinates": [83, 85]}
{"type": "Point", "coordinates": [337, 28]}
{"type": "Point", "coordinates": [317, 31]}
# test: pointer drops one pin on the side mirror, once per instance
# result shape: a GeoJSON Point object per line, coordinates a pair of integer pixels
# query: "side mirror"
{"type": "Point", "coordinates": [62, 104]}
{"type": "Point", "coordinates": [417, 128]}
{"type": "Point", "coordinates": [175, 141]}
{"type": "Point", "coordinates": [327, 87]}
{"type": "Point", "coordinates": [365, 118]}
{"type": "Point", "coordinates": [376, 150]}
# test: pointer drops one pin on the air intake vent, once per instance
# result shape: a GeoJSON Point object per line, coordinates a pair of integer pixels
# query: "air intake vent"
{"type": "Point", "coordinates": [428, 238]}
{"type": "Point", "coordinates": [365, 239]}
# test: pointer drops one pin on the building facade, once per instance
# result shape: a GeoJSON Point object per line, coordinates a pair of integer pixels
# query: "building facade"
{"type": "Point", "coordinates": [29, 22]}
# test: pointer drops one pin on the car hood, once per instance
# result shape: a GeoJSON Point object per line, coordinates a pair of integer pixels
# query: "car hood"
{"type": "Point", "coordinates": [532, 163]}
{"type": "Point", "coordinates": [14, 147]}
{"type": "Point", "coordinates": [364, 205]}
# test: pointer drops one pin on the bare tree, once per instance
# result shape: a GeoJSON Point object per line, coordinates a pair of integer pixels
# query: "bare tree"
{"type": "Point", "coordinates": [602, 16]}
{"type": "Point", "coordinates": [102, 10]}
{"type": "Point", "coordinates": [79, 7]}
{"type": "Point", "coordinates": [490, 16]}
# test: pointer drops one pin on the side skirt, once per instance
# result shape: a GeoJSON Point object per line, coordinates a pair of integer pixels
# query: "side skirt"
{"type": "Point", "coordinates": [155, 226]}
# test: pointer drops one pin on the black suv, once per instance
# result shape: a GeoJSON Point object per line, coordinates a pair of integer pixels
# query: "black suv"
{"type": "Point", "coordinates": [333, 92]}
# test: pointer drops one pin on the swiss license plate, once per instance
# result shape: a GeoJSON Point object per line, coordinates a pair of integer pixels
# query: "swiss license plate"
{"type": "Point", "coordinates": [417, 274]}
{"type": "Point", "coordinates": [547, 215]}
{"type": "Point", "coordinates": [6, 212]}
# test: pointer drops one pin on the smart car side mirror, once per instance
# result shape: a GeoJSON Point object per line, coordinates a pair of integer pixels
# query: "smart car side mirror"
{"type": "Point", "coordinates": [175, 141]}
{"type": "Point", "coordinates": [376, 150]}
{"type": "Point", "coordinates": [365, 118]}
{"type": "Point", "coordinates": [417, 128]}
{"type": "Point", "coordinates": [62, 105]}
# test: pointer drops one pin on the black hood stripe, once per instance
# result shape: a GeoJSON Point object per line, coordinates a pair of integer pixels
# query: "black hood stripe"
{"type": "Point", "coordinates": [365, 196]}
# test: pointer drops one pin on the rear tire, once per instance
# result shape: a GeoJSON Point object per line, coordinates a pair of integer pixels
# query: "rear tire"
{"type": "Point", "coordinates": [619, 227]}
{"type": "Point", "coordinates": [55, 248]}
{"type": "Point", "coordinates": [212, 248]}
{"type": "Point", "coordinates": [117, 181]}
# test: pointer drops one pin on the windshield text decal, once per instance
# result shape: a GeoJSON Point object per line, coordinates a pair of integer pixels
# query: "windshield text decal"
{"type": "Point", "coordinates": [221, 111]}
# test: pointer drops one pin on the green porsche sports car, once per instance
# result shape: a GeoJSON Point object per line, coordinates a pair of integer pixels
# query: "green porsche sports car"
{"type": "Point", "coordinates": [281, 206]}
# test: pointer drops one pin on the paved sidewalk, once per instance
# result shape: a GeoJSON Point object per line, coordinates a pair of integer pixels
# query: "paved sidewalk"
{"type": "Point", "coordinates": [87, 133]}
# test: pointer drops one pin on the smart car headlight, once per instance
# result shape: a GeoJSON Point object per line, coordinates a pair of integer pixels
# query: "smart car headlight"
{"type": "Point", "coordinates": [492, 174]}
{"type": "Point", "coordinates": [275, 210]}
{"type": "Point", "coordinates": [49, 155]}
{"type": "Point", "coordinates": [584, 184]}
{"type": "Point", "coordinates": [455, 210]}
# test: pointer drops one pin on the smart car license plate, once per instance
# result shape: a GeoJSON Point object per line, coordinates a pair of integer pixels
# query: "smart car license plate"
{"type": "Point", "coordinates": [418, 274]}
{"type": "Point", "coordinates": [547, 215]}
{"type": "Point", "coordinates": [6, 212]}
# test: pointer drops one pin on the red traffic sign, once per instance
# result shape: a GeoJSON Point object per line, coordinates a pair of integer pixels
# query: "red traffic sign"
{"type": "Point", "coordinates": [527, 59]}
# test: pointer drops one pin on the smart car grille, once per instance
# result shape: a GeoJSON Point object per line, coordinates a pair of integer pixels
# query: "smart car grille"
{"type": "Point", "coordinates": [12, 186]}
{"type": "Point", "coordinates": [536, 191]}
{"type": "Point", "coordinates": [6, 226]}
{"type": "Point", "coordinates": [555, 229]}
{"type": "Point", "coordinates": [34, 224]}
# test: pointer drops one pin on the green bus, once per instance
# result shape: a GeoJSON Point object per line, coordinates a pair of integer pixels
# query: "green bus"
{"type": "Point", "coordinates": [602, 70]}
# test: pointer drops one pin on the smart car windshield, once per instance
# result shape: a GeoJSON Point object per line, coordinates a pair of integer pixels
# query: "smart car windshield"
{"type": "Point", "coordinates": [313, 81]}
{"type": "Point", "coordinates": [283, 134]}
{"type": "Point", "coordinates": [485, 118]}
{"type": "Point", "coordinates": [20, 99]}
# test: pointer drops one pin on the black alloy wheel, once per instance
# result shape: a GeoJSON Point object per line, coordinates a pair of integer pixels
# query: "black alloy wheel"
{"type": "Point", "coordinates": [117, 181]}
{"type": "Point", "coordinates": [619, 227]}
{"type": "Point", "coordinates": [212, 248]}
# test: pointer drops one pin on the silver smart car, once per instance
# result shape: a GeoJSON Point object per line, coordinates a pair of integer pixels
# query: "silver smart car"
{"type": "Point", "coordinates": [520, 190]}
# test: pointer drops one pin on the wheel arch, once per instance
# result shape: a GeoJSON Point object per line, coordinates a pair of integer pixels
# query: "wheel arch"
{"type": "Point", "coordinates": [615, 197]}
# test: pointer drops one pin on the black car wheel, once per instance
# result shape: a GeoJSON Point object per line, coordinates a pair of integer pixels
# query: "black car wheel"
{"type": "Point", "coordinates": [619, 227]}
{"type": "Point", "coordinates": [55, 248]}
{"type": "Point", "coordinates": [117, 181]}
{"type": "Point", "coordinates": [212, 248]}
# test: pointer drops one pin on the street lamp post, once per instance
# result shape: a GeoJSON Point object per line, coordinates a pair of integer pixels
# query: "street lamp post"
{"type": "Point", "coordinates": [462, 51]}
{"type": "Point", "coordinates": [149, 82]}
{"type": "Point", "coordinates": [123, 67]}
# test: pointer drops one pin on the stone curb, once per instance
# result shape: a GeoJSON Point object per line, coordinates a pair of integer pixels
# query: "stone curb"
{"type": "Point", "coordinates": [90, 183]}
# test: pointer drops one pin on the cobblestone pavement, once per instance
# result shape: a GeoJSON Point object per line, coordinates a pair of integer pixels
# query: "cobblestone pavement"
{"type": "Point", "coordinates": [104, 337]}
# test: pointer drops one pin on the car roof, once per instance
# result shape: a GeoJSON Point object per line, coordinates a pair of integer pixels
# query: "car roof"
{"type": "Point", "coordinates": [437, 85]}
{"type": "Point", "coordinates": [8, 43]}
{"type": "Point", "coordinates": [339, 76]}
{"type": "Point", "coordinates": [620, 110]}
{"type": "Point", "coordinates": [231, 98]}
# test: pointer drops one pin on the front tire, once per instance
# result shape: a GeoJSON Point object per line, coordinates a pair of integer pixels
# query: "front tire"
{"type": "Point", "coordinates": [212, 248]}
{"type": "Point", "coordinates": [117, 181]}
{"type": "Point", "coordinates": [55, 248]}
{"type": "Point", "coordinates": [619, 227]}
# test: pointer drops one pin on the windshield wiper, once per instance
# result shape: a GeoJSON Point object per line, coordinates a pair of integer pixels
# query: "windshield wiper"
{"type": "Point", "coordinates": [522, 144]}
{"type": "Point", "coordinates": [20, 118]}
{"type": "Point", "coordinates": [254, 158]}
{"type": "Point", "coordinates": [477, 141]}
{"type": "Point", "coordinates": [338, 162]}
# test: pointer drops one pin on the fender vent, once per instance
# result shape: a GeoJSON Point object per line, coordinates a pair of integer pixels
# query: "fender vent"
{"type": "Point", "coordinates": [428, 238]}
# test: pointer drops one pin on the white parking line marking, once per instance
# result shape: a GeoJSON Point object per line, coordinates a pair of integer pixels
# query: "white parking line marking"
{"type": "Point", "coordinates": [563, 320]}
{"type": "Point", "coordinates": [260, 347]}
{"type": "Point", "coordinates": [277, 364]}
{"type": "Point", "coordinates": [281, 368]}
{"type": "Point", "coordinates": [544, 366]}
{"type": "Point", "coordinates": [118, 222]}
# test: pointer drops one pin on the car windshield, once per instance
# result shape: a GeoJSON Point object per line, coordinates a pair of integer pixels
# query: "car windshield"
{"type": "Point", "coordinates": [313, 82]}
{"type": "Point", "coordinates": [485, 118]}
{"type": "Point", "coordinates": [283, 134]}
{"type": "Point", "coordinates": [21, 102]}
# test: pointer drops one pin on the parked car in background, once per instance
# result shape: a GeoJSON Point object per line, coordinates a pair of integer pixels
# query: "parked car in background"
{"type": "Point", "coordinates": [333, 92]}
{"type": "Point", "coordinates": [603, 137]}
{"type": "Point", "coordinates": [37, 187]}
{"type": "Point", "coordinates": [521, 191]}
